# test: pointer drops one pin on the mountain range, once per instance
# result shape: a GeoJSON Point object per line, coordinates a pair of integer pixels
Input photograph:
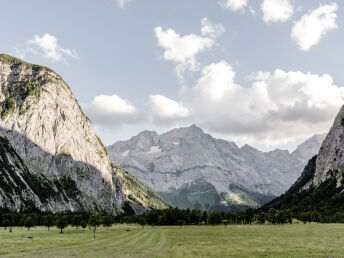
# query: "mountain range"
{"type": "Point", "coordinates": [191, 169]}
{"type": "Point", "coordinates": [52, 161]}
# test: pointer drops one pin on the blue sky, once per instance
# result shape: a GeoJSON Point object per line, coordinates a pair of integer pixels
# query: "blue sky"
{"type": "Point", "coordinates": [263, 72]}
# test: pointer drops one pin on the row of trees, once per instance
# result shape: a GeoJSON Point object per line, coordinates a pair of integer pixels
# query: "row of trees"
{"type": "Point", "coordinates": [171, 216]}
{"type": "Point", "coordinates": [61, 221]}
{"type": "Point", "coordinates": [175, 216]}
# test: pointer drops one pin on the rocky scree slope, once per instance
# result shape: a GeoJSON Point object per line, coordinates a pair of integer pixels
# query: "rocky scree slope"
{"type": "Point", "coordinates": [46, 127]}
{"type": "Point", "coordinates": [191, 169]}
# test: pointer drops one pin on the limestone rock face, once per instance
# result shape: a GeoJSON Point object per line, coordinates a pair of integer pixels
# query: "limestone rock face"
{"type": "Point", "coordinates": [321, 183]}
{"type": "Point", "coordinates": [309, 148]}
{"type": "Point", "coordinates": [47, 128]}
{"type": "Point", "coordinates": [185, 163]}
{"type": "Point", "coordinates": [331, 154]}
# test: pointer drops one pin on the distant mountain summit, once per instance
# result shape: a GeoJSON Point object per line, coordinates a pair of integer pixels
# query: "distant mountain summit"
{"type": "Point", "coordinates": [191, 169]}
{"type": "Point", "coordinates": [52, 160]}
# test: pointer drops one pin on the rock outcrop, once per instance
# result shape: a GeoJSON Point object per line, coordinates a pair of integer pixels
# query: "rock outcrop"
{"type": "Point", "coordinates": [47, 128]}
{"type": "Point", "coordinates": [321, 185]}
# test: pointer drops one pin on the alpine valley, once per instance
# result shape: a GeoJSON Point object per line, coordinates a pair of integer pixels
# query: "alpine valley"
{"type": "Point", "coordinates": [191, 169]}
{"type": "Point", "coordinates": [50, 158]}
{"type": "Point", "coordinates": [52, 161]}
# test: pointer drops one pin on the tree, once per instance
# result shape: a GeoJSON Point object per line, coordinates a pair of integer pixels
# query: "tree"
{"type": "Point", "coordinates": [195, 217]}
{"type": "Point", "coordinates": [21, 222]}
{"type": "Point", "coordinates": [315, 216]}
{"type": "Point", "coordinates": [240, 217]}
{"type": "Point", "coordinates": [180, 223]}
{"type": "Point", "coordinates": [225, 222]}
{"type": "Point", "coordinates": [94, 221]}
{"type": "Point", "coordinates": [271, 216]}
{"type": "Point", "coordinates": [142, 221]}
{"type": "Point", "coordinates": [281, 217]}
{"type": "Point", "coordinates": [214, 217]}
{"type": "Point", "coordinates": [29, 222]}
{"type": "Point", "coordinates": [76, 220]}
{"type": "Point", "coordinates": [83, 224]}
{"type": "Point", "coordinates": [7, 220]}
{"type": "Point", "coordinates": [152, 217]}
{"type": "Point", "coordinates": [6, 223]}
{"type": "Point", "coordinates": [261, 217]}
{"type": "Point", "coordinates": [107, 221]}
{"type": "Point", "coordinates": [49, 220]}
{"type": "Point", "coordinates": [304, 217]}
{"type": "Point", "coordinates": [61, 223]}
{"type": "Point", "coordinates": [249, 215]}
{"type": "Point", "coordinates": [205, 216]}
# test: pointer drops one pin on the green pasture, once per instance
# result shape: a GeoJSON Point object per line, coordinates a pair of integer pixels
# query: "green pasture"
{"type": "Point", "coordinates": [296, 240]}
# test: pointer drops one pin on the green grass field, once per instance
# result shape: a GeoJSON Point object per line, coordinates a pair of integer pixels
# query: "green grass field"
{"type": "Point", "coordinates": [297, 240]}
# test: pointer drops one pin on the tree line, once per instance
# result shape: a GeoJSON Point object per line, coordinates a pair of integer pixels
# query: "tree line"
{"type": "Point", "coordinates": [61, 221]}
{"type": "Point", "coordinates": [170, 216]}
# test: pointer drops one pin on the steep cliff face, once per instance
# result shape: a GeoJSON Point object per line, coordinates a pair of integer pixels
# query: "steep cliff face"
{"type": "Point", "coordinates": [20, 186]}
{"type": "Point", "coordinates": [191, 169]}
{"type": "Point", "coordinates": [331, 154]}
{"type": "Point", "coordinates": [45, 125]}
{"type": "Point", "coordinates": [321, 185]}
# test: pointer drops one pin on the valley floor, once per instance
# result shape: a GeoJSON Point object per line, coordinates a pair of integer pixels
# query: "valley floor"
{"type": "Point", "coordinates": [295, 240]}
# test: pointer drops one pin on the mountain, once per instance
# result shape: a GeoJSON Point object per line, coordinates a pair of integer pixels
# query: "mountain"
{"type": "Point", "coordinates": [321, 185]}
{"type": "Point", "coordinates": [51, 157]}
{"type": "Point", "coordinates": [191, 169]}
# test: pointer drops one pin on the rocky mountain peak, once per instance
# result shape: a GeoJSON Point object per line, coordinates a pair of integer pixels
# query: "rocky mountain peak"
{"type": "Point", "coordinates": [182, 132]}
{"type": "Point", "coordinates": [47, 128]}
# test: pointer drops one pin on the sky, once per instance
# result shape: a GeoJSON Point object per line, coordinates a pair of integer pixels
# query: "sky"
{"type": "Point", "coordinates": [263, 72]}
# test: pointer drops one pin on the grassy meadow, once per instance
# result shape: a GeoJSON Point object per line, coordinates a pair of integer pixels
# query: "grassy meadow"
{"type": "Point", "coordinates": [297, 240]}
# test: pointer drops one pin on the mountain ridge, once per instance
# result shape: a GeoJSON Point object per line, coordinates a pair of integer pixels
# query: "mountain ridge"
{"type": "Point", "coordinates": [173, 160]}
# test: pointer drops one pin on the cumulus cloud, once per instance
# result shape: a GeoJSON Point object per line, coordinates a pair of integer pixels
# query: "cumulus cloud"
{"type": "Point", "coordinates": [47, 47]}
{"type": "Point", "coordinates": [122, 3]}
{"type": "Point", "coordinates": [110, 112]}
{"type": "Point", "coordinates": [309, 30]}
{"type": "Point", "coordinates": [183, 50]}
{"type": "Point", "coordinates": [277, 10]}
{"type": "Point", "coordinates": [234, 5]}
{"type": "Point", "coordinates": [278, 106]}
{"type": "Point", "coordinates": [167, 111]}
{"type": "Point", "coordinates": [211, 29]}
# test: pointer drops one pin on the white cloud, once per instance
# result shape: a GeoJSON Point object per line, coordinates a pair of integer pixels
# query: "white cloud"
{"type": "Point", "coordinates": [309, 30]}
{"type": "Point", "coordinates": [183, 50]}
{"type": "Point", "coordinates": [234, 5]}
{"type": "Point", "coordinates": [47, 47]}
{"type": "Point", "coordinates": [167, 111]}
{"type": "Point", "coordinates": [210, 29]}
{"type": "Point", "coordinates": [122, 3]}
{"type": "Point", "coordinates": [110, 112]}
{"type": "Point", "coordinates": [277, 107]}
{"type": "Point", "coordinates": [277, 10]}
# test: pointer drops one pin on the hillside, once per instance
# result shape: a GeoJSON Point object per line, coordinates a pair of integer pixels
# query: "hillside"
{"type": "Point", "coordinates": [321, 185]}
{"type": "Point", "coordinates": [47, 130]}
{"type": "Point", "coordinates": [191, 169]}
{"type": "Point", "coordinates": [137, 191]}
